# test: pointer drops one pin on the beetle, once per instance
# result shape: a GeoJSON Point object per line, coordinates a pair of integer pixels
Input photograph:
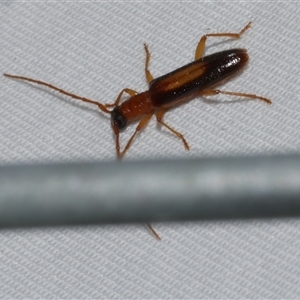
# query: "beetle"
{"type": "Point", "coordinates": [194, 79]}
{"type": "Point", "coordinates": [197, 78]}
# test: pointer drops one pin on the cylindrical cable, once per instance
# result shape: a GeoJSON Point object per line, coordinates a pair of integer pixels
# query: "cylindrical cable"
{"type": "Point", "coordinates": [86, 193]}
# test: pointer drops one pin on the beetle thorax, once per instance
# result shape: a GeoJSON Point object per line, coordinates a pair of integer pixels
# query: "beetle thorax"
{"type": "Point", "coordinates": [136, 106]}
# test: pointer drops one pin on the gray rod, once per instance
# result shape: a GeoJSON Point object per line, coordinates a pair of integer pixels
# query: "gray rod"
{"type": "Point", "coordinates": [87, 193]}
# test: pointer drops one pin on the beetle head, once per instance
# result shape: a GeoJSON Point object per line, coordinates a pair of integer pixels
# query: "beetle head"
{"type": "Point", "coordinates": [118, 121]}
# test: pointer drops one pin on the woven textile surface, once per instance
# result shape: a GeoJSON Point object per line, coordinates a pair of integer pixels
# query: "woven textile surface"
{"type": "Point", "coordinates": [95, 49]}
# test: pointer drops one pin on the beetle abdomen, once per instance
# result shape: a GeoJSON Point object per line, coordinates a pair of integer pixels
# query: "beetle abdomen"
{"type": "Point", "coordinates": [198, 75]}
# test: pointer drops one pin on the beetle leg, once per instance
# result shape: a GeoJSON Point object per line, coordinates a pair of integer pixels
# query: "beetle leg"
{"type": "Point", "coordinates": [130, 92]}
{"type": "Point", "coordinates": [216, 92]}
{"type": "Point", "coordinates": [142, 124]}
{"type": "Point", "coordinates": [201, 45]}
{"type": "Point", "coordinates": [153, 231]}
{"type": "Point", "coordinates": [147, 72]}
{"type": "Point", "coordinates": [159, 116]}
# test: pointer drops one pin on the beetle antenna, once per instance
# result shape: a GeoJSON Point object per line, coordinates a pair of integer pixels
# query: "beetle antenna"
{"type": "Point", "coordinates": [100, 105]}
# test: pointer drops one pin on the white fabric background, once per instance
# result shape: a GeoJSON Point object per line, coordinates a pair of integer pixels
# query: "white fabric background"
{"type": "Point", "coordinates": [95, 50]}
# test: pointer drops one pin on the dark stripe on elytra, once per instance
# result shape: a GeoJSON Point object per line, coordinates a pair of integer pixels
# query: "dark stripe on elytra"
{"type": "Point", "coordinates": [217, 67]}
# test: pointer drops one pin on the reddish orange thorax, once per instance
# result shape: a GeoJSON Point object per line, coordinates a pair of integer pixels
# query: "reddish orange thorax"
{"type": "Point", "coordinates": [136, 106]}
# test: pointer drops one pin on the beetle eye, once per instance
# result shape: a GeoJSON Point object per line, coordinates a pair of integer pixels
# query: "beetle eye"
{"type": "Point", "coordinates": [117, 119]}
